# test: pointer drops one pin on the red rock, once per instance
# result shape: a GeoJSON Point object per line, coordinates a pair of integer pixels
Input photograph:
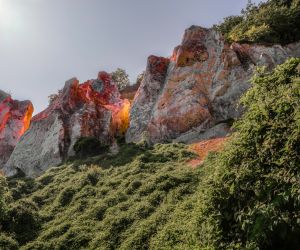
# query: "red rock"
{"type": "Point", "coordinates": [91, 109]}
{"type": "Point", "coordinates": [15, 119]}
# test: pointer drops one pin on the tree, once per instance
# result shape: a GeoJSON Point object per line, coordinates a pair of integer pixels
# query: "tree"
{"type": "Point", "coordinates": [273, 21]}
{"type": "Point", "coordinates": [121, 78]}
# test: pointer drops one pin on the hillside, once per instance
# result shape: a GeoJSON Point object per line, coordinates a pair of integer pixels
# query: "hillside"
{"type": "Point", "coordinates": [203, 153]}
{"type": "Point", "coordinates": [150, 198]}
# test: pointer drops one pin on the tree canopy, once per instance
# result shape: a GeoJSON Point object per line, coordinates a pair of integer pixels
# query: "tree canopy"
{"type": "Point", "coordinates": [275, 21]}
{"type": "Point", "coordinates": [121, 78]}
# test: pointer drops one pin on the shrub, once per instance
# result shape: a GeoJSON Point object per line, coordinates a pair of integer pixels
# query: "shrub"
{"type": "Point", "coordinates": [252, 199]}
{"type": "Point", "coordinates": [3, 206]}
{"type": "Point", "coordinates": [8, 243]}
{"type": "Point", "coordinates": [23, 221]}
{"type": "Point", "coordinates": [66, 196]}
{"type": "Point", "coordinates": [89, 146]}
{"type": "Point", "coordinates": [270, 22]}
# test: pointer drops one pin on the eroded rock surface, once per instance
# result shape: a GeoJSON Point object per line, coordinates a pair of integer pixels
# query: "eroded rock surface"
{"type": "Point", "coordinates": [93, 108]}
{"type": "Point", "coordinates": [15, 119]}
{"type": "Point", "coordinates": [198, 88]}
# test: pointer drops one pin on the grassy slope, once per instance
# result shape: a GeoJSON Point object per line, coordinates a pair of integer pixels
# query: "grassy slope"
{"type": "Point", "coordinates": [246, 197]}
{"type": "Point", "coordinates": [92, 207]}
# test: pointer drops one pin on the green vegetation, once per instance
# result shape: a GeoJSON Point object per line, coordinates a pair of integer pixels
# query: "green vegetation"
{"type": "Point", "coordinates": [275, 21]}
{"type": "Point", "coordinates": [121, 78]}
{"type": "Point", "coordinates": [89, 146]}
{"type": "Point", "coordinates": [246, 197]}
{"type": "Point", "coordinates": [121, 203]}
{"type": "Point", "coordinates": [249, 197]}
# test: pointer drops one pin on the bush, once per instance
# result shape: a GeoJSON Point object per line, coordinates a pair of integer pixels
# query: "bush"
{"type": "Point", "coordinates": [270, 22]}
{"type": "Point", "coordinates": [8, 243]}
{"type": "Point", "coordinates": [252, 199]}
{"type": "Point", "coordinates": [89, 146]}
{"type": "Point", "coordinates": [3, 206]}
{"type": "Point", "coordinates": [66, 196]}
{"type": "Point", "coordinates": [23, 221]}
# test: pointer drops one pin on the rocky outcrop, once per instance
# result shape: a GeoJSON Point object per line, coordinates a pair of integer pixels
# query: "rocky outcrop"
{"type": "Point", "coordinates": [93, 108]}
{"type": "Point", "coordinates": [194, 94]}
{"type": "Point", "coordinates": [15, 119]}
{"type": "Point", "coordinates": [129, 91]}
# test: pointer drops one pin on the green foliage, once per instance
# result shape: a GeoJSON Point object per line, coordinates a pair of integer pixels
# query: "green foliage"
{"type": "Point", "coordinates": [119, 204]}
{"type": "Point", "coordinates": [23, 221]}
{"type": "Point", "coordinates": [3, 206]}
{"type": "Point", "coordinates": [21, 186]}
{"type": "Point", "coordinates": [270, 22]}
{"type": "Point", "coordinates": [89, 146]}
{"type": "Point", "coordinates": [246, 197]}
{"type": "Point", "coordinates": [228, 24]}
{"type": "Point", "coordinates": [66, 196]}
{"type": "Point", "coordinates": [8, 243]}
{"type": "Point", "coordinates": [121, 78]}
{"type": "Point", "coordinates": [249, 195]}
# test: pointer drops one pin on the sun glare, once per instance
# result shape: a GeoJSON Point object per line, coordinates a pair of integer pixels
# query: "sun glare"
{"type": "Point", "coordinates": [8, 19]}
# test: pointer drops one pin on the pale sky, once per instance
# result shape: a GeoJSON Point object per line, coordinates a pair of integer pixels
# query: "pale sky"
{"type": "Point", "coordinates": [43, 43]}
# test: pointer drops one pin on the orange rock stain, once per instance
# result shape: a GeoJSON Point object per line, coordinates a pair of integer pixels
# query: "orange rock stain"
{"type": "Point", "coordinates": [203, 148]}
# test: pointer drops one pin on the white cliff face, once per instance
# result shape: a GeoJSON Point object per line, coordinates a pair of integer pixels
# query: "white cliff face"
{"type": "Point", "coordinates": [198, 88]}
{"type": "Point", "coordinates": [14, 121]}
{"type": "Point", "coordinates": [80, 110]}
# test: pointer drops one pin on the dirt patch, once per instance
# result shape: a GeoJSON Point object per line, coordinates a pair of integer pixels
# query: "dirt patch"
{"type": "Point", "coordinates": [202, 149]}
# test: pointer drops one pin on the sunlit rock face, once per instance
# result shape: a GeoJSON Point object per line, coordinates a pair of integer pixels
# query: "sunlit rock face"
{"type": "Point", "coordinates": [194, 94]}
{"type": "Point", "coordinates": [15, 119]}
{"type": "Point", "coordinates": [93, 108]}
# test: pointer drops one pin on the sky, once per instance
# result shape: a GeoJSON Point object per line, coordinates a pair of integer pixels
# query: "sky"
{"type": "Point", "coordinates": [43, 43]}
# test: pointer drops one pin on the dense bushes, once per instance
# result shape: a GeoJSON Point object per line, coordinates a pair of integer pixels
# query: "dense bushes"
{"type": "Point", "coordinates": [3, 206]}
{"type": "Point", "coordinates": [89, 146]}
{"type": "Point", "coordinates": [19, 220]}
{"type": "Point", "coordinates": [8, 243]}
{"type": "Point", "coordinates": [256, 184]}
{"type": "Point", "coordinates": [249, 195]}
{"type": "Point", "coordinates": [23, 221]}
{"type": "Point", "coordinates": [253, 198]}
{"type": "Point", "coordinates": [276, 21]}
{"type": "Point", "coordinates": [119, 203]}
{"type": "Point", "coordinates": [246, 197]}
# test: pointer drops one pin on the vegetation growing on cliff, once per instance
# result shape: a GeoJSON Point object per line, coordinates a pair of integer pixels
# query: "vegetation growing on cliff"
{"type": "Point", "coordinates": [246, 197]}
{"type": "Point", "coordinates": [275, 21]}
{"type": "Point", "coordinates": [249, 196]}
